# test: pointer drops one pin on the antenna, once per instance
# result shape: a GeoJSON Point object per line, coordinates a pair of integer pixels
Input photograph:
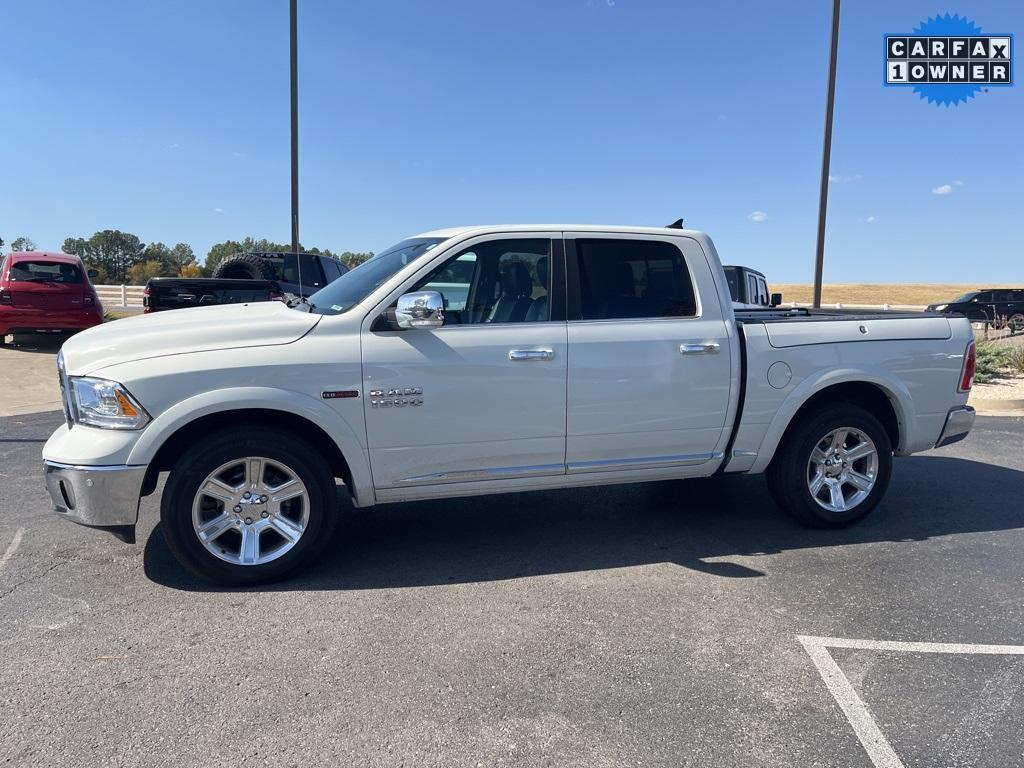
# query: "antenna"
{"type": "Point", "coordinates": [677, 224]}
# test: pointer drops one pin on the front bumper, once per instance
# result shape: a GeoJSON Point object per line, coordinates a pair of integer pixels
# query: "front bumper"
{"type": "Point", "coordinates": [958, 423]}
{"type": "Point", "coordinates": [100, 496]}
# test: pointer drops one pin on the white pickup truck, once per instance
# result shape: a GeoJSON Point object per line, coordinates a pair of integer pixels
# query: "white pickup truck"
{"type": "Point", "coordinates": [569, 356]}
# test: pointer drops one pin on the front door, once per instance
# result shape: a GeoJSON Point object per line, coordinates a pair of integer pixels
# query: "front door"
{"type": "Point", "coordinates": [649, 364]}
{"type": "Point", "coordinates": [483, 397]}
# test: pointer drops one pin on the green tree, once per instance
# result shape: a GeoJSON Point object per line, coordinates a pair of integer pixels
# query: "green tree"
{"type": "Point", "coordinates": [191, 270]}
{"type": "Point", "coordinates": [355, 259]}
{"type": "Point", "coordinates": [140, 273]}
{"type": "Point", "coordinates": [112, 251]}
{"type": "Point", "coordinates": [182, 256]}
{"type": "Point", "coordinates": [23, 243]}
{"type": "Point", "coordinates": [172, 259]}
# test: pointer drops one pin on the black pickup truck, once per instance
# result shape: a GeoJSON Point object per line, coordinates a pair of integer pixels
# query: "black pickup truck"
{"type": "Point", "coordinates": [246, 277]}
{"type": "Point", "coordinates": [182, 292]}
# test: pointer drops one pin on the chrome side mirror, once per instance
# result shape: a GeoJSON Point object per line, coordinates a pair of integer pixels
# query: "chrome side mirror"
{"type": "Point", "coordinates": [423, 309]}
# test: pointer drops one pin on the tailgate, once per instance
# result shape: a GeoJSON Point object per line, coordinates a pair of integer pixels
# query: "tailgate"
{"type": "Point", "coordinates": [31, 295]}
{"type": "Point", "coordinates": [820, 330]}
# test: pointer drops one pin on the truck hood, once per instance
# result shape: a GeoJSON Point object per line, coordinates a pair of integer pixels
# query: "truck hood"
{"type": "Point", "coordinates": [180, 331]}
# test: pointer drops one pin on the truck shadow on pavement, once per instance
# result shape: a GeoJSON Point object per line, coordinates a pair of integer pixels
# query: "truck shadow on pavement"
{"type": "Point", "coordinates": [490, 538]}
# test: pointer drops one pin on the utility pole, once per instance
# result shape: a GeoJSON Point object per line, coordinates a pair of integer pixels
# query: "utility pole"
{"type": "Point", "coordinates": [295, 123]}
{"type": "Point", "coordinates": [826, 154]}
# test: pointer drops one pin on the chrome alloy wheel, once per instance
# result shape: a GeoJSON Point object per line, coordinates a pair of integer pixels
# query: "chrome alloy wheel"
{"type": "Point", "coordinates": [250, 511]}
{"type": "Point", "coordinates": [842, 470]}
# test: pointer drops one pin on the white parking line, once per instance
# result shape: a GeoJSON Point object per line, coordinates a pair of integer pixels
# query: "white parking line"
{"type": "Point", "coordinates": [11, 548]}
{"type": "Point", "coordinates": [879, 749]}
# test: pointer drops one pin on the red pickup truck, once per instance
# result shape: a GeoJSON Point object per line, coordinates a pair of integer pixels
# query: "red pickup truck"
{"type": "Point", "coordinates": [46, 292]}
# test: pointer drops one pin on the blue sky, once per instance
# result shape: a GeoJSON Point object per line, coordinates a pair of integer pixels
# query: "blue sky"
{"type": "Point", "coordinates": [170, 120]}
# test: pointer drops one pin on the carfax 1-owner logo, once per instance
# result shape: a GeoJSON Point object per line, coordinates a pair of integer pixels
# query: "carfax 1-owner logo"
{"type": "Point", "coordinates": [948, 59]}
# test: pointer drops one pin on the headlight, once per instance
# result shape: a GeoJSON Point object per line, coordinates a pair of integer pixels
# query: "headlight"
{"type": "Point", "coordinates": [939, 307]}
{"type": "Point", "coordinates": [106, 404]}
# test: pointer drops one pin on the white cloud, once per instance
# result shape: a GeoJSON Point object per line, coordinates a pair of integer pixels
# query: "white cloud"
{"type": "Point", "coordinates": [218, 210]}
{"type": "Point", "coordinates": [175, 145]}
{"type": "Point", "coordinates": [870, 219]}
{"type": "Point", "coordinates": [945, 189]}
{"type": "Point", "coordinates": [758, 216]}
{"type": "Point", "coordinates": [840, 179]}
{"type": "Point", "coordinates": [958, 183]}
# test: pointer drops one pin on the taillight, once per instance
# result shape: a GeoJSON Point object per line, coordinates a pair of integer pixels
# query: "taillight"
{"type": "Point", "coordinates": [145, 301]}
{"type": "Point", "coordinates": [967, 376]}
{"type": "Point", "coordinates": [5, 297]}
{"type": "Point", "coordinates": [275, 296]}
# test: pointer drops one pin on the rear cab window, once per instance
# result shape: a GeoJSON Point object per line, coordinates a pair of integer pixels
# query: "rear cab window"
{"type": "Point", "coordinates": [625, 279]}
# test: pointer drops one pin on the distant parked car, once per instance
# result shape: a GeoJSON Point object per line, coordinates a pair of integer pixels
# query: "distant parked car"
{"type": "Point", "coordinates": [998, 307]}
{"type": "Point", "coordinates": [286, 269]}
{"type": "Point", "coordinates": [184, 292]}
{"type": "Point", "coordinates": [749, 288]}
{"type": "Point", "coordinates": [46, 293]}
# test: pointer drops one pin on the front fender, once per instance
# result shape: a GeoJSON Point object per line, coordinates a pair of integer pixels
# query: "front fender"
{"type": "Point", "coordinates": [270, 398]}
{"type": "Point", "coordinates": [889, 384]}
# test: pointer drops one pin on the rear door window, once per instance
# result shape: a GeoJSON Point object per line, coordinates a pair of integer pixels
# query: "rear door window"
{"type": "Point", "coordinates": [627, 279]}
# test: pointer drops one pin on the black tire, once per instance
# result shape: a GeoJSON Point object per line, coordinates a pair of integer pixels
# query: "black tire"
{"type": "Point", "coordinates": [192, 469]}
{"type": "Point", "coordinates": [1016, 323]}
{"type": "Point", "coordinates": [790, 474]}
{"type": "Point", "coordinates": [245, 266]}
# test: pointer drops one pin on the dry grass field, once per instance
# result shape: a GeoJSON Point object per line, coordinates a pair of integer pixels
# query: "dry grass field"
{"type": "Point", "coordinates": [869, 293]}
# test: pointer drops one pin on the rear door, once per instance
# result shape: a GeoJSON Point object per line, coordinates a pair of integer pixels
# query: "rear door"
{"type": "Point", "coordinates": [649, 363]}
{"type": "Point", "coordinates": [46, 285]}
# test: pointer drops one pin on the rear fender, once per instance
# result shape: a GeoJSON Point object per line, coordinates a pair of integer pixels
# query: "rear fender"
{"type": "Point", "coordinates": [890, 386]}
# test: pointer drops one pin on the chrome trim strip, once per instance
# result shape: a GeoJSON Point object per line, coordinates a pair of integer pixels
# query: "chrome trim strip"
{"type": "Point", "coordinates": [645, 462]}
{"type": "Point", "coordinates": [92, 468]}
{"type": "Point", "coordinates": [736, 454]}
{"type": "Point", "coordinates": [486, 473]}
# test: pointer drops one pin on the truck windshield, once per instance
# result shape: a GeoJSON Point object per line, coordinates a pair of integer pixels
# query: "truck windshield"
{"type": "Point", "coordinates": [356, 284]}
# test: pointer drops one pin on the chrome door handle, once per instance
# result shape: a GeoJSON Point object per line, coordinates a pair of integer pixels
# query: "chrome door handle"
{"type": "Point", "coordinates": [531, 354]}
{"type": "Point", "coordinates": [702, 348]}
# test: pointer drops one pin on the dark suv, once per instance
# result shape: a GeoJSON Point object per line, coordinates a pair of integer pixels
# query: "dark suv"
{"type": "Point", "coordinates": [996, 306]}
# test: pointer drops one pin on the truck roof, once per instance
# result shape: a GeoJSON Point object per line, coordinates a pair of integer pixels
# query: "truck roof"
{"type": "Point", "coordinates": [484, 229]}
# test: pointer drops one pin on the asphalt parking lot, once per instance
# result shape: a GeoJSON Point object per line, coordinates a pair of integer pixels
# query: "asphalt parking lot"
{"type": "Point", "coordinates": [653, 624]}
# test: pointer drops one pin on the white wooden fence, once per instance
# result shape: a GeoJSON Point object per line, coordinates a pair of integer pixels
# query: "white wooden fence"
{"type": "Point", "coordinates": [120, 296]}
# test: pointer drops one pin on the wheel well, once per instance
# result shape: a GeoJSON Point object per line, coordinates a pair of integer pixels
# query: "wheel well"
{"type": "Point", "coordinates": [868, 396]}
{"type": "Point", "coordinates": [179, 442]}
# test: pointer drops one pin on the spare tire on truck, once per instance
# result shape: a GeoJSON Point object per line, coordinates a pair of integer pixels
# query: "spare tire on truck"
{"type": "Point", "coordinates": [245, 266]}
